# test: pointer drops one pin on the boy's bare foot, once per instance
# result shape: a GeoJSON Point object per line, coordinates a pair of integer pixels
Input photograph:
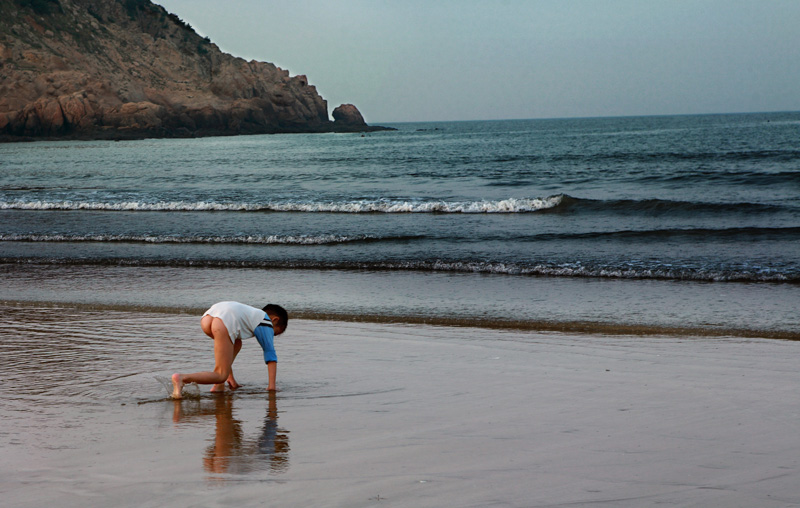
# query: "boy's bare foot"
{"type": "Point", "coordinates": [177, 383]}
{"type": "Point", "coordinates": [232, 383]}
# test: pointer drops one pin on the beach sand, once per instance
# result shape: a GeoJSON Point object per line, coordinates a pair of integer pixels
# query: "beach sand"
{"type": "Point", "coordinates": [392, 415]}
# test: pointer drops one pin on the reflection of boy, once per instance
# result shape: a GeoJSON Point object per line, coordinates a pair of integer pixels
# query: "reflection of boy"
{"type": "Point", "coordinates": [274, 442]}
{"type": "Point", "coordinates": [228, 323]}
{"type": "Point", "coordinates": [229, 451]}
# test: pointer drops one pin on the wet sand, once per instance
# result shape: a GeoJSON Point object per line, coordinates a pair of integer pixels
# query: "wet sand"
{"type": "Point", "coordinates": [392, 415]}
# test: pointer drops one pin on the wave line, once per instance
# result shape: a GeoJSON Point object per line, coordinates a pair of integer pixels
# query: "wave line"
{"type": "Point", "coordinates": [570, 270]}
{"type": "Point", "coordinates": [242, 240]}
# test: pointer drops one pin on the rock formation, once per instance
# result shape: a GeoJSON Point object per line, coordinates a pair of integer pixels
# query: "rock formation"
{"type": "Point", "coordinates": [119, 69]}
{"type": "Point", "coordinates": [348, 115]}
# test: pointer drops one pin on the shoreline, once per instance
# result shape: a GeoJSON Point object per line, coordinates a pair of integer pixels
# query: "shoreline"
{"type": "Point", "coordinates": [121, 135]}
{"type": "Point", "coordinates": [578, 328]}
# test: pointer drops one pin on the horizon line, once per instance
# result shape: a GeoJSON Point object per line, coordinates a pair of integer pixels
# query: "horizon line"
{"type": "Point", "coordinates": [653, 115]}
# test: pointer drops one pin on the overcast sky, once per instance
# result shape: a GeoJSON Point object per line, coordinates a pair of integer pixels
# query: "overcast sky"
{"type": "Point", "coordinates": [430, 60]}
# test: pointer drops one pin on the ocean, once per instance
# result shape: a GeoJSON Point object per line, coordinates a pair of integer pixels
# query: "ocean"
{"type": "Point", "coordinates": [641, 225]}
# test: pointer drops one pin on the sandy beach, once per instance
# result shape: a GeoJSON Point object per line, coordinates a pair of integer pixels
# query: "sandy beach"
{"type": "Point", "coordinates": [393, 415]}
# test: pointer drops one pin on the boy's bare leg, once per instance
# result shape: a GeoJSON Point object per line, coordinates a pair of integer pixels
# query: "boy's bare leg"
{"type": "Point", "coordinates": [223, 359]}
{"type": "Point", "coordinates": [237, 346]}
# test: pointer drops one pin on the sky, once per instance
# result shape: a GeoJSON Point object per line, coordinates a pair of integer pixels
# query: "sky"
{"type": "Point", "coordinates": [444, 60]}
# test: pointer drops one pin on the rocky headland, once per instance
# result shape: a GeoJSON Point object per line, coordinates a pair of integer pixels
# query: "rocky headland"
{"type": "Point", "coordinates": [128, 69]}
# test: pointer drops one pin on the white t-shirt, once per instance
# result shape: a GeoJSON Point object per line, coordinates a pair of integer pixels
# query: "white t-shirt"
{"type": "Point", "coordinates": [241, 320]}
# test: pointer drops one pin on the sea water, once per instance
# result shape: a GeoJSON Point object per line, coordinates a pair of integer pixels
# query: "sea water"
{"type": "Point", "coordinates": [648, 224]}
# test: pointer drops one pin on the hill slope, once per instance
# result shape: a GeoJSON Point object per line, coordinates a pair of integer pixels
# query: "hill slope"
{"type": "Point", "coordinates": [129, 69]}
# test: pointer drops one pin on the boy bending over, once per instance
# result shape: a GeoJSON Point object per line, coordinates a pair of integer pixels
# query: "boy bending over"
{"type": "Point", "coordinates": [228, 323]}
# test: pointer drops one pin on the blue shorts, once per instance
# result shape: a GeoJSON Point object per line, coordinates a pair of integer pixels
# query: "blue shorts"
{"type": "Point", "coordinates": [265, 336]}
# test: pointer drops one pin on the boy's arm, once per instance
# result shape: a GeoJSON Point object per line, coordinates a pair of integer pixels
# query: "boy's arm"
{"type": "Point", "coordinates": [272, 370]}
{"type": "Point", "coordinates": [264, 336]}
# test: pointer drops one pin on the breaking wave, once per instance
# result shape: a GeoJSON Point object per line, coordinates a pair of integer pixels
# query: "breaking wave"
{"type": "Point", "coordinates": [511, 205]}
{"type": "Point", "coordinates": [663, 272]}
{"type": "Point", "coordinates": [558, 203]}
{"type": "Point", "coordinates": [166, 239]}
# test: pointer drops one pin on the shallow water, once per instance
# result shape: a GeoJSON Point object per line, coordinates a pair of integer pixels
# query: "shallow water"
{"type": "Point", "coordinates": [489, 301]}
{"type": "Point", "coordinates": [381, 414]}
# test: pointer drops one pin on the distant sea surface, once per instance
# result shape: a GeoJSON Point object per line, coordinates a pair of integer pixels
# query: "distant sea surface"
{"type": "Point", "coordinates": [649, 224]}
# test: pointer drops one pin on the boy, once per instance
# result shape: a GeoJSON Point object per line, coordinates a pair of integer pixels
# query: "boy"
{"type": "Point", "coordinates": [228, 323]}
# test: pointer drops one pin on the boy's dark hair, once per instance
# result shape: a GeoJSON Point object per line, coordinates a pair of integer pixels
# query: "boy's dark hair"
{"type": "Point", "coordinates": [279, 312]}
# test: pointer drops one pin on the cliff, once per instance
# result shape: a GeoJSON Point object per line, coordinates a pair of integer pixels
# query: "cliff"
{"type": "Point", "coordinates": [126, 69]}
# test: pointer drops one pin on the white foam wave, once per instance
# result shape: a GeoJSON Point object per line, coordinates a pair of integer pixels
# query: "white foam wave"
{"type": "Point", "coordinates": [158, 239]}
{"type": "Point", "coordinates": [511, 205]}
{"type": "Point", "coordinates": [573, 270]}
{"type": "Point", "coordinates": [579, 271]}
